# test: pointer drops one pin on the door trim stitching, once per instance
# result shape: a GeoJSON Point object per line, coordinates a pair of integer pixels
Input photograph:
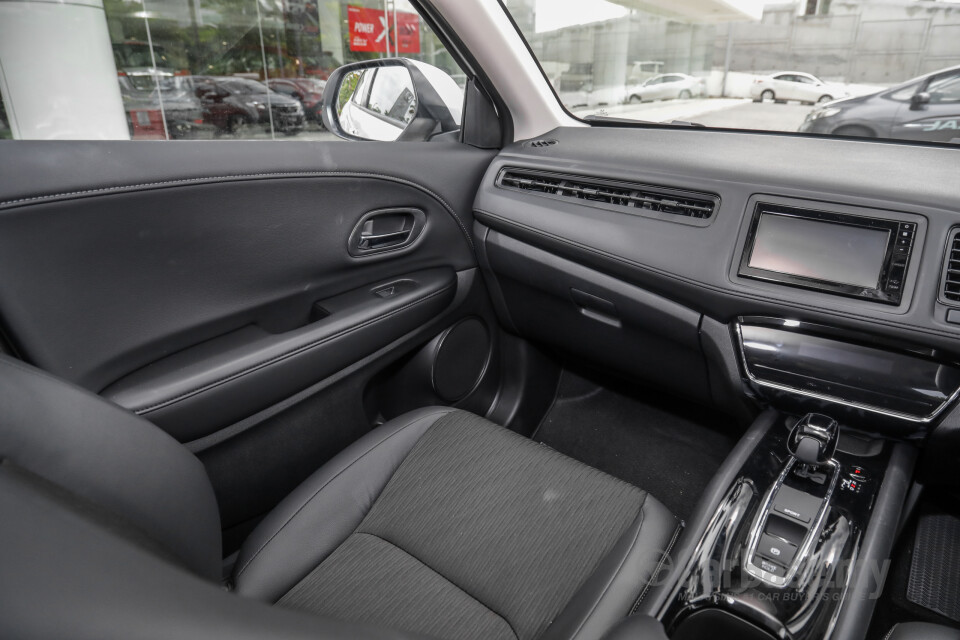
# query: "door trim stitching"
{"type": "Point", "coordinates": [10, 204]}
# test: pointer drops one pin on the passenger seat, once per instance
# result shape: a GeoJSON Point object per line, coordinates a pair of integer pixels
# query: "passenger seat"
{"type": "Point", "coordinates": [438, 523]}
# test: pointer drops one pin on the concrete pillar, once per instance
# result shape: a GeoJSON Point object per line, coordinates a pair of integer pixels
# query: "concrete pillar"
{"type": "Point", "coordinates": [57, 74]}
{"type": "Point", "coordinates": [332, 28]}
{"type": "Point", "coordinates": [611, 45]}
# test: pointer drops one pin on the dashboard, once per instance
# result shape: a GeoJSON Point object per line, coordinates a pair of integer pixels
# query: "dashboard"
{"type": "Point", "coordinates": [852, 243]}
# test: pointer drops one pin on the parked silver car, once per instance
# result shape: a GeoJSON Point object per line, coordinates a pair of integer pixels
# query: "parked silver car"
{"type": "Point", "coordinates": [666, 86]}
{"type": "Point", "coordinates": [795, 85]}
{"type": "Point", "coordinates": [923, 108]}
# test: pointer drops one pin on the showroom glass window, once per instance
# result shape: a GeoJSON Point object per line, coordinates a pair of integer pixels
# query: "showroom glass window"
{"type": "Point", "coordinates": [195, 69]}
{"type": "Point", "coordinates": [858, 68]}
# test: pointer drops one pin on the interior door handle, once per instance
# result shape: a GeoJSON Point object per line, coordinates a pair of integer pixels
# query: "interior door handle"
{"type": "Point", "coordinates": [369, 240]}
{"type": "Point", "coordinates": [386, 230]}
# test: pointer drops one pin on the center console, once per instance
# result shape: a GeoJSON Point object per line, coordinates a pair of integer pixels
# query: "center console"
{"type": "Point", "coordinates": [779, 554]}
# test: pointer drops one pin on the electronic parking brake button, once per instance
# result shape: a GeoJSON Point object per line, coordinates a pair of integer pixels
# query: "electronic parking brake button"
{"type": "Point", "coordinates": [776, 550]}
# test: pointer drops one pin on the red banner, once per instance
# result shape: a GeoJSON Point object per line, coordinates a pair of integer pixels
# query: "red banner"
{"type": "Point", "coordinates": [373, 30]}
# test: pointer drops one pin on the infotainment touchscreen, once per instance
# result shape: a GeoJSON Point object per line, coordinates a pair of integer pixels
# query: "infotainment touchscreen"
{"type": "Point", "coordinates": [844, 254]}
{"type": "Point", "coordinates": [819, 250]}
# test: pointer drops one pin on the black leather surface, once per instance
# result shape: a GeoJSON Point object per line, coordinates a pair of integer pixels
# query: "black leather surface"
{"type": "Point", "coordinates": [637, 627]}
{"type": "Point", "coordinates": [64, 576]}
{"type": "Point", "coordinates": [313, 520]}
{"type": "Point", "coordinates": [148, 250]}
{"type": "Point", "coordinates": [196, 391]}
{"type": "Point", "coordinates": [111, 458]}
{"type": "Point", "coordinates": [922, 631]}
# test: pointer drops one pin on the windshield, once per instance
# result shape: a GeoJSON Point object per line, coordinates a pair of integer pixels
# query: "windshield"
{"type": "Point", "coordinates": [809, 66]}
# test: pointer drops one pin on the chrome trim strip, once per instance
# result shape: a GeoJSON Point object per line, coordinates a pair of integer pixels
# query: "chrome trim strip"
{"type": "Point", "coordinates": [813, 533]}
{"type": "Point", "coordinates": [828, 398]}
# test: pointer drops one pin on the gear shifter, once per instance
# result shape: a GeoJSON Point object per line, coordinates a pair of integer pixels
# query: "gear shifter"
{"type": "Point", "coordinates": [813, 440]}
{"type": "Point", "coordinates": [787, 525]}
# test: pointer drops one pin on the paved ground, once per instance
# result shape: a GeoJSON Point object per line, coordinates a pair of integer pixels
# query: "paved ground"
{"type": "Point", "coordinates": [713, 112]}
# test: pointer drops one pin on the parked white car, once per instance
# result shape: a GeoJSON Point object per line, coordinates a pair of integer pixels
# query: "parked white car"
{"type": "Point", "coordinates": [795, 85]}
{"type": "Point", "coordinates": [666, 86]}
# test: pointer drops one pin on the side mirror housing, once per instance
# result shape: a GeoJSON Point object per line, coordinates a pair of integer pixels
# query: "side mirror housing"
{"type": "Point", "coordinates": [918, 100]}
{"type": "Point", "coordinates": [391, 99]}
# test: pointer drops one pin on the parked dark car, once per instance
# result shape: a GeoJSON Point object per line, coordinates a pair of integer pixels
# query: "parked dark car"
{"type": "Point", "coordinates": [924, 108]}
{"type": "Point", "coordinates": [307, 91]}
{"type": "Point", "coordinates": [231, 104]}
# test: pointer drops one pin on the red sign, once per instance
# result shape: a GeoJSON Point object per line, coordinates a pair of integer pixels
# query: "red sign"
{"type": "Point", "coordinates": [382, 32]}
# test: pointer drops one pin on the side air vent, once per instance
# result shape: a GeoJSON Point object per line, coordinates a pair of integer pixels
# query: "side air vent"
{"type": "Point", "coordinates": [642, 198]}
{"type": "Point", "coordinates": [951, 270]}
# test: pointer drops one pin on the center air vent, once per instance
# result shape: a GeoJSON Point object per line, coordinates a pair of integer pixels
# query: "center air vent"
{"type": "Point", "coordinates": [640, 198]}
{"type": "Point", "coordinates": [951, 270]}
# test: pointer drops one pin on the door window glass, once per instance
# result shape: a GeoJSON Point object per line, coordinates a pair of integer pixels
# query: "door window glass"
{"type": "Point", "coordinates": [945, 89]}
{"type": "Point", "coordinates": [198, 69]}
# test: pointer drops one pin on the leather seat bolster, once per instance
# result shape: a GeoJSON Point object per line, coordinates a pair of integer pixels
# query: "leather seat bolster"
{"type": "Point", "coordinates": [614, 587]}
{"type": "Point", "coordinates": [922, 631]}
{"type": "Point", "coordinates": [109, 457]}
{"type": "Point", "coordinates": [326, 508]}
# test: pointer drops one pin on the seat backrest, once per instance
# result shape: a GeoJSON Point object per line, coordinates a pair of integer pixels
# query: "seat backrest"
{"type": "Point", "coordinates": [111, 459]}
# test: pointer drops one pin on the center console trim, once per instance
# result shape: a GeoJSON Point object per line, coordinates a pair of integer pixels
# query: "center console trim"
{"type": "Point", "coordinates": [809, 540]}
{"type": "Point", "coordinates": [825, 397]}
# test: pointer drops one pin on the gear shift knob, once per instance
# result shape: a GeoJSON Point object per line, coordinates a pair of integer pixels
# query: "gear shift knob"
{"type": "Point", "coordinates": [813, 439]}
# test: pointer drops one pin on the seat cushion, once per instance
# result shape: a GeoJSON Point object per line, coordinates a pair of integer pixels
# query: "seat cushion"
{"type": "Point", "coordinates": [477, 533]}
{"type": "Point", "coordinates": [922, 631]}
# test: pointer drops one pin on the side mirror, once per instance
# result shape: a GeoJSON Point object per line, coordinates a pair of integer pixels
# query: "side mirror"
{"type": "Point", "coordinates": [918, 100]}
{"type": "Point", "coordinates": [296, 95]}
{"type": "Point", "coordinates": [391, 99]}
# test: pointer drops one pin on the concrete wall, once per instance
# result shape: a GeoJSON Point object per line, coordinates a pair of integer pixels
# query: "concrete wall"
{"type": "Point", "coordinates": [855, 41]}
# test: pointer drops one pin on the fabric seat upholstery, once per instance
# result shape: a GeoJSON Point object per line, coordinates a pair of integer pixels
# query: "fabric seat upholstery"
{"type": "Point", "coordinates": [476, 532]}
{"type": "Point", "coordinates": [436, 524]}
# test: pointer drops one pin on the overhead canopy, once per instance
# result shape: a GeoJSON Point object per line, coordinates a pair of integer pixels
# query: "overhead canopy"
{"type": "Point", "coordinates": [699, 10]}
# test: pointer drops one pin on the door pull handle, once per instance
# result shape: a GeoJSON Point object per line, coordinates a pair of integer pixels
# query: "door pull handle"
{"type": "Point", "coordinates": [385, 230]}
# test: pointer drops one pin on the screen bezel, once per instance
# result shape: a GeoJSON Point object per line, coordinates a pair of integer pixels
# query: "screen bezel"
{"type": "Point", "coordinates": [876, 294]}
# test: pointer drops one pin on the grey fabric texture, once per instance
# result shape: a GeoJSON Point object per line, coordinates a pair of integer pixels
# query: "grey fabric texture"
{"type": "Point", "coordinates": [477, 525]}
{"type": "Point", "coordinates": [370, 579]}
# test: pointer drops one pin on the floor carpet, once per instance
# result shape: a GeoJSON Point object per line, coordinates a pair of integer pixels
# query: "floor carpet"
{"type": "Point", "coordinates": [666, 446]}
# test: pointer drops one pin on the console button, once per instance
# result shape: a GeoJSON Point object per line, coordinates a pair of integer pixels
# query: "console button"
{"type": "Point", "coordinates": [769, 567]}
{"type": "Point", "coordinates": [796, 504]}
{"type": "Point", "coordinates": [793, 513]}
{"type": "Point", "coordinates": [776, 549]}
{"type": "Point", "coordinates": [858, 474]}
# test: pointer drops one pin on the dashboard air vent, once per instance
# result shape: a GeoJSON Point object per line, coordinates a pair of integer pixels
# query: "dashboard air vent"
{"type": "Point", "coordinates": [951, 270]}
{"type": "Point", "coordinates": [620, 194]}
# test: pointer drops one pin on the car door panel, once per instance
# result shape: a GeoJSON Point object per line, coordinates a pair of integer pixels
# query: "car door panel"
{"type": "Point", "coordinates": [932, 122]}
{"type": "Point", "coordinates": [182, 281]}
{"type": "Point", "coordinates": [206, 387]}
